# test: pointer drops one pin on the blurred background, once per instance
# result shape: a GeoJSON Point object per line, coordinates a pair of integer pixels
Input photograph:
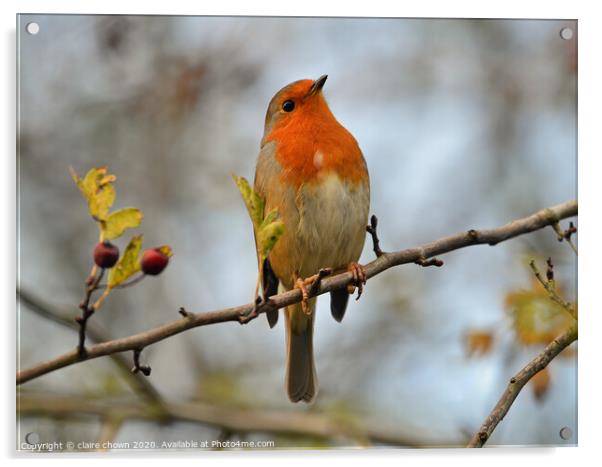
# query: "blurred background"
{"type": "Point", "coordinates": [463, 123]}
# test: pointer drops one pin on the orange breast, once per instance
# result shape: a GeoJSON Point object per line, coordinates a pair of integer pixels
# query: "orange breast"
{"type": "Point", "coordinates": [315, 142]}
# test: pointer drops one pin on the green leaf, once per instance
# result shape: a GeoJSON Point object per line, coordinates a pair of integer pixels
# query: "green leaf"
{"type": "Point", "coordinates": [128, 264]}
{"type": "Point", "coordinates": [267, 230]}
{"type": "Point", "coordinates": [119, 221]}
{"type": "Point", "coordinates": [270, 217]}
{"type": "Point", "coordinates": [267, 236]}
{"type": "Point", "coordinates": [252, 200]}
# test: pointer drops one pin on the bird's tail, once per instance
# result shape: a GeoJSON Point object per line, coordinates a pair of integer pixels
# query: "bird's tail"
{"type": "Point", "coordinates": [301, 381]}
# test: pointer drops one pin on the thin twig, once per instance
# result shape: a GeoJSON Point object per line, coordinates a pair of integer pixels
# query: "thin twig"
{"type": "Point", "coordinates": [551, 289]}
{"type": "Point", "coordinates": [518, 381]}
{"type": "Point", "coordinates": [518, 227]}
{"type": "Point", "coordinates": [87, 311]}
{"type": "Point", "coordinates": [566, 234]}
{"type": "Point", "coordinates": [371, 229]}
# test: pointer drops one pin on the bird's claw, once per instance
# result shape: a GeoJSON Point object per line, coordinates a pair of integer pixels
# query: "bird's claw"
{"type": "Point", "coordinates": [359, 279]}
{"type": "Point", "coordinates": [301, 284]}
{"type": "Point", "coordinates": [314, 286]}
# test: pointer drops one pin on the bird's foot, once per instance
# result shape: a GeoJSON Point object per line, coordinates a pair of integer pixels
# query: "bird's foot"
{"type": "Point", "coordinates": [302, 286]}
{"type": "Point", "coordinates": [313, 282]}
{"type": "Point", "coordinates": [359, 279]}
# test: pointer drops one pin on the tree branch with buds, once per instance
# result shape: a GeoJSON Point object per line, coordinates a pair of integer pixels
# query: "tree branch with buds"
{"type": "Point", "coordinates": [424, 255]}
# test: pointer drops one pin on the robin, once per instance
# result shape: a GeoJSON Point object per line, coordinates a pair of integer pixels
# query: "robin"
{"type": "Point", "coordinates": [311, 169]}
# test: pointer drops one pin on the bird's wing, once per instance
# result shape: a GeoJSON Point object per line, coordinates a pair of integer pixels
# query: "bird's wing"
{"type": "Point", "coordinates": [265, 174]}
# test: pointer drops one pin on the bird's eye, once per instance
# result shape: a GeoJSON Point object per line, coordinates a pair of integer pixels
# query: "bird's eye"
{"type": "Point", "coordinates": [288, 106]}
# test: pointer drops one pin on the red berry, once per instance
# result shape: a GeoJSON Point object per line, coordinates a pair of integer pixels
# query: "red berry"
{"type": "Point", "coordinates": [154, 261]}
{"type": "Point", "coordinates": [106, 254]}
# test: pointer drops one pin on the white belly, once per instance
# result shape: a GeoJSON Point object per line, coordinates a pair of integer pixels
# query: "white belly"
{"type": "Point", "coordinates": [332, 222]}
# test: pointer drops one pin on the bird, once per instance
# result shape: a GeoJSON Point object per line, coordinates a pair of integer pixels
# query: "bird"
{"type": "Point", "coordinates": [311, 170]}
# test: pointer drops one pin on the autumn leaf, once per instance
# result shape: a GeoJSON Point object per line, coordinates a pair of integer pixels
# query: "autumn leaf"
{"type": "Point", "coordinates": [89, 184]}
{"type": "Point", "coordinates": [540, 383]}
{"type": "Point", "coordinates": [119, 221]}
{"type": "Point", "coordinates": [101, 202]}
{"type": "Point", "coordinates": [536, 318]}
{"type": "Point", "coordinates": [97, 189]}
{"type": "Point", "coordinates": [479, 342]}
{"type": "Point", "coordinates": [128, 264]}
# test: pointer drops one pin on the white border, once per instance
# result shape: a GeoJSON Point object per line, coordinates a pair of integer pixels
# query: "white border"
{"type": "Point", "coordinates": [590, 80]}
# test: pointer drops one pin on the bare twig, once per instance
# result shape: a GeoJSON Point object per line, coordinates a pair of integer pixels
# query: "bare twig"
{"type": "Point", "coordinates": [87, 311]}
{"type": "Point", "coordinates": [518, 381]}
{"type": "Point", "coordinates": [566, 234]}
{"type": "Point", "coordinates": [371, 229]}
{"type": "Point", "coordinates": [518, 227]}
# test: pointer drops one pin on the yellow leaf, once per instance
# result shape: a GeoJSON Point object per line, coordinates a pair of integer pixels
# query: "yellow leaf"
{"type": "Point", "coordinates": [128, 264]}
{"type": "Point", "coordinates": [536, 318]}
{"type": "Point", "coordinates": [119, 221]}
{"type": "Point", "coordinates": [97, 189]}
{"type": "Point", "coordinates": [252, 200]}
{"type": "Point", "coordinates": [101, 202]}
{"type": "Point", "coordinates": [91, 181]}
{"type": "Point", "coordinates": [106, 180]}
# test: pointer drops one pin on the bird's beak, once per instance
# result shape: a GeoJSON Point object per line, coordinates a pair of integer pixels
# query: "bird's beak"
{"type": "Point", "coordinates": [318, 85]}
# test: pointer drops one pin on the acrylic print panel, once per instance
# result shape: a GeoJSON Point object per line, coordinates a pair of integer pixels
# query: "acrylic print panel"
{"type": "Point", "coordinates": [129, 131]}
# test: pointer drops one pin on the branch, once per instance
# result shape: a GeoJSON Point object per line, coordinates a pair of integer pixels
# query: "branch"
{"type": "Point", "coordinates": [518, 381]}
{"type": "Point", "coordinates": [233, 420]}
{"type": "Point", "coordinates": [388, 260]}
{"type": "Point", "coordinates": [139, 383]}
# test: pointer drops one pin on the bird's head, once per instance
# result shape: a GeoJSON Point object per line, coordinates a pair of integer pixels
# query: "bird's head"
{"type": "Point", "coordinates": [297, 103]}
